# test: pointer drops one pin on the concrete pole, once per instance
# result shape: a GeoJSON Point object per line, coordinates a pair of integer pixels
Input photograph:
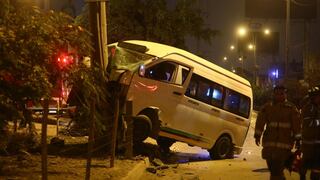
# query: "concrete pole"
{"type": "Point", "coordinates": [98, 28]}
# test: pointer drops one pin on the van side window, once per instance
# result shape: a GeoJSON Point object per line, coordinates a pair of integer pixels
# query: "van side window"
{"type": "Point", "coordinates": [204, 91]}
{"type": "Point", "coordinates": [192, 88]}
{"type": "Point", "coordinates": [232, 101]}
{"type": "Point", "coordinates": [182, 74]}
{"type": "Point", "coordinates": [185, 72]}
{"type": "Point", "coordinates": [163, 71]}
{"type": "Point", "coordinates": [217, 95]}
{"type": "Point", "coordinates": [244, 106]}
{"type": "Point", "coordinates": [199, 88]}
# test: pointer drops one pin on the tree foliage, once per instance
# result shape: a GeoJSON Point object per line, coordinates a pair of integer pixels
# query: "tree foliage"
{"type": "Point", "coordinates": [154, 20]}
{"type": "Point", "coordinates": [30, 41]}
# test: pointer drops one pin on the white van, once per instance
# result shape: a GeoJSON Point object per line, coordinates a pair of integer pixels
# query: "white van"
{"type": "Point", "coordinates": [178, 96]}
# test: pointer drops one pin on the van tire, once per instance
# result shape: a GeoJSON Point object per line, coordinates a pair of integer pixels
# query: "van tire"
{"type": "Point", "coordinates": [223, 149]}
{"type": "Point", "coordinates": [141, 128]}
{"type": "Point", "coordinates": [164, 144]}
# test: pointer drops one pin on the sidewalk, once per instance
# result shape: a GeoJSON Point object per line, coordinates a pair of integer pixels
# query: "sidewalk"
{"type": "Point", "coordinates": [139, 169]}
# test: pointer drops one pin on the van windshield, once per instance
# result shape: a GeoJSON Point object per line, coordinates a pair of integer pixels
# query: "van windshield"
{"type": "Point", "coordinates": [121, 58]}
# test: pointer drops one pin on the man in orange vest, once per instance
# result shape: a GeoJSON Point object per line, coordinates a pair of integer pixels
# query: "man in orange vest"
{"type": "Point", "coordinates": [279, 124]}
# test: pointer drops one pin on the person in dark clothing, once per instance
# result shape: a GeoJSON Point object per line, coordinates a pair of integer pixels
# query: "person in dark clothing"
{"type": "Point", "coordinates": [279, 125]}
{"type": "Point", "coordinates": [311, 135]}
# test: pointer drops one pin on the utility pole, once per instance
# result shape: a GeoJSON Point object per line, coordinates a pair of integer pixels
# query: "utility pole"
{"type": "Point", "coordinates": [256, 82]}
{"type": "Point", "coordinates": [98, 28]}
{"type": "Point", "coordinates": [287, 48]}
{"type": "Point", "coordinates": [99, 56]}
{"type": "Point", "coordinates": [306, 49]}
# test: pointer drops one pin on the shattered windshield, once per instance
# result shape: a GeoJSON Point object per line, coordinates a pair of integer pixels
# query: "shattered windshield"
{"type": "Point", "coordinates": [121, 58]}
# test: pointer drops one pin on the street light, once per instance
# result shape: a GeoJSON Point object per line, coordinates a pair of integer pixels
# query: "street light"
{"type": "Point", "coordinates": [251, 46]}
{"type": "Point", "coordinates": [242, 31]}
{"type": "Point", "coordinates": [225, 58]}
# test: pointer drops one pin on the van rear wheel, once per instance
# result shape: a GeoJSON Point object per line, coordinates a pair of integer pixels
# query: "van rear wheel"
{"type": "Point", "coordinates": [222, 149]}
{"type": "Point", "coordinates": [141, 128]}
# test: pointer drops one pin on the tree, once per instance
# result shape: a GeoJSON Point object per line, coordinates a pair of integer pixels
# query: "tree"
{"type": "Point", "coordinates": [153, 20]}
{"type": "Point", "coordinates": [30, 41]}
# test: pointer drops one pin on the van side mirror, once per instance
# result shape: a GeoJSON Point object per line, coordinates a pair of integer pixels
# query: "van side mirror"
{"type": "Point", "coordinates": [142, 70]}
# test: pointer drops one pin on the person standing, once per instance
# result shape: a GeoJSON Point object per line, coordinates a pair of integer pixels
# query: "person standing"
{"type": "Point", "coordinates": [279, 125]}
{"type": "Point", "coordinates": [311, 135]}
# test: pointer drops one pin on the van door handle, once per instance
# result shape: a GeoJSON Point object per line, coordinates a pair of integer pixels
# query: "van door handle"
{"type": "Point", "coordinates": [215, 110]}
{"type": "Point", "coordinates": [193, 102]}
{"type": "Point", "coordinates": [177, 93]}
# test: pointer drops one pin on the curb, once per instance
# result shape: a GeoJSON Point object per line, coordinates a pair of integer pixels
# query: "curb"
{"type": "Point", "coordinates": [138, 170]}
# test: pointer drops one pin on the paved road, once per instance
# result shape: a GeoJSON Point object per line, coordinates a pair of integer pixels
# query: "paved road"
{"type": "Point", "coordinates": [195, 164]}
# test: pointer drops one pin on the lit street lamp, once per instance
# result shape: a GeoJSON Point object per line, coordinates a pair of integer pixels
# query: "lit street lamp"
{"type": "Point", "coordinates": [250, 46]}
{"type": "Point", "coordinates": [242, 31]}
{"type": "Point", "coordinates": [225, 58]}
{"type": "Point", "coordinates": [266, 31]}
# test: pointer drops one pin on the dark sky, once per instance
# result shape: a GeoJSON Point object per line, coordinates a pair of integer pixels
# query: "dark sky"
{"type": "Point", "coordinates": [227, 15]}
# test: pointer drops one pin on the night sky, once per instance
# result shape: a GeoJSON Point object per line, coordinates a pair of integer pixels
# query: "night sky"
{"type": "Point", "coordinates": [226, 16]}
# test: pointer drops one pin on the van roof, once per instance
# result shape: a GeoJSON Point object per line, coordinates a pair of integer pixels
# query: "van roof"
{"type": "Point", "coordinates": [160, 50]}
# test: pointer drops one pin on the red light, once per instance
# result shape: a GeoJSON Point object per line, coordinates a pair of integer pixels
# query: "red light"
{"type": "Point", "coordinates": [64, 60]}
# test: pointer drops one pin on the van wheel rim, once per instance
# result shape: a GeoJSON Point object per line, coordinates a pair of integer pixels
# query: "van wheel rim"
{"type": "Point", "coordinates": [224, 148]}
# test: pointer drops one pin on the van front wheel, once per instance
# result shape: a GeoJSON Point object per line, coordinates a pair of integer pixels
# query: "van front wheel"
{"type": "Point", "coordinates": [222, 149]}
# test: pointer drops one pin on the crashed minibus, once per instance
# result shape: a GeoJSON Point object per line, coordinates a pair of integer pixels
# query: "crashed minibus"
{"type": "Point", "coordinates": [178, 96]}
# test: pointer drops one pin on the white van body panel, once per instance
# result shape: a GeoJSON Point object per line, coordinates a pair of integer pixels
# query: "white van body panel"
{"type": "Point", "coordinates": [184, 118]}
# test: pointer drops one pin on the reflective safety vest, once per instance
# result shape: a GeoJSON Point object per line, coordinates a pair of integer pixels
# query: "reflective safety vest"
{"type": "Point", "coordinates": [311, 125]}
{"type": "Point", "coordinates": [279, 124]}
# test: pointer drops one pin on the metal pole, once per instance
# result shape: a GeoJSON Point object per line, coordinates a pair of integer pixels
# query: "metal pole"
{"type": "Point", "coordinates": [114, 130]}
{"type": "Point", "coordinates": [44, 148]}
{"type": "Point", "coordinates": [255, 57]}
{"type": "Point", "coordinates": [44, 127]}
{"type": "Point", "coordinates": [91, 138]}
{"type": "Point", "coordinates": [129, 133]}
{"type": "Point", "coordinates": [287, 38]}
